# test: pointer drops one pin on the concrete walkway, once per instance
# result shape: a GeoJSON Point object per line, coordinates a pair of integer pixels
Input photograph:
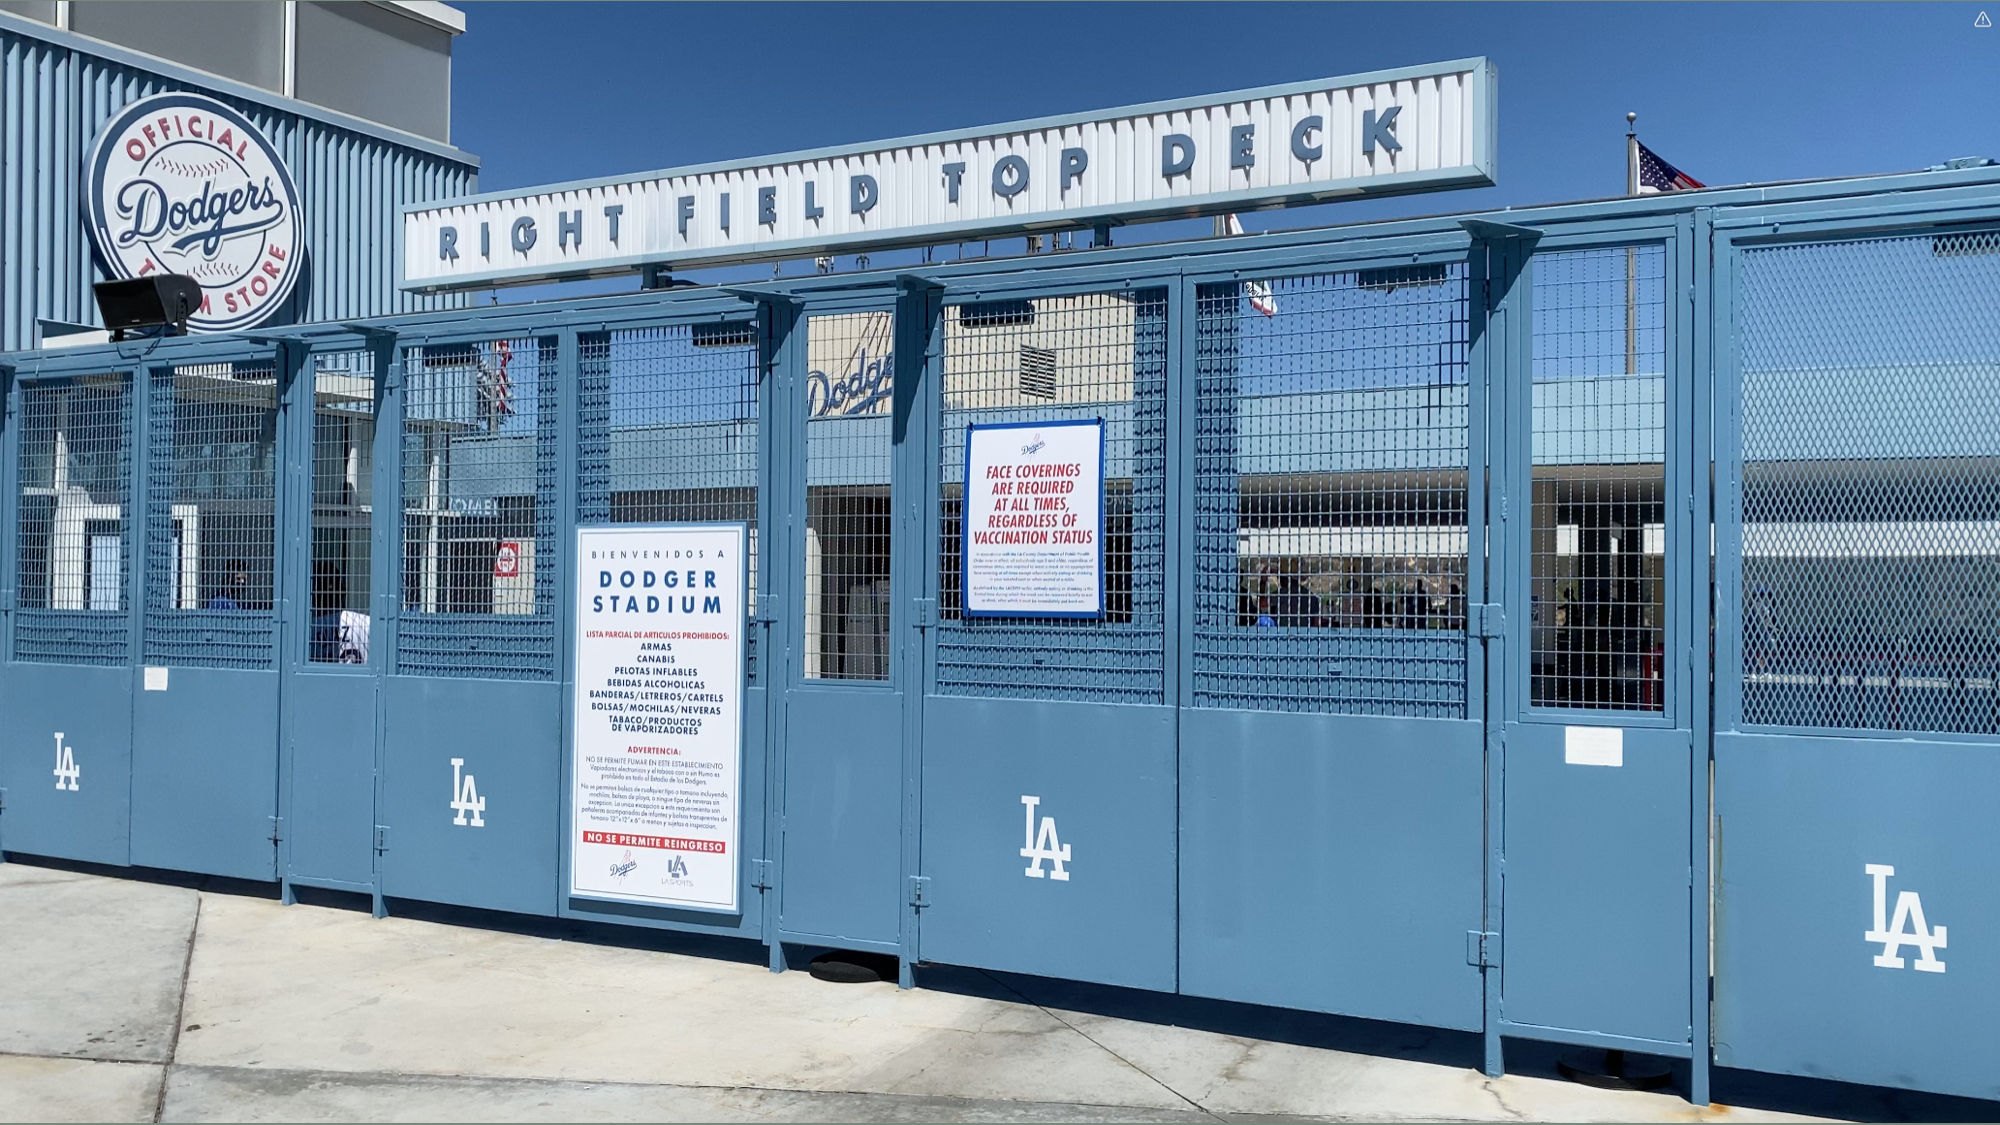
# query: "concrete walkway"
{"type": "Point", "coordinates": [123, 999]}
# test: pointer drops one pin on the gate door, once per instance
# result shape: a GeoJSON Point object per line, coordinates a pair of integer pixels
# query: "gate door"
{"type": "Point", "coordinates": [1596, 883]}
{"type": "Point", "coordinates": [843, 747]}
{"type": "Point", "coordinates": [1048, 741]}
{"type": "Point", "coordinates": [66, 744]}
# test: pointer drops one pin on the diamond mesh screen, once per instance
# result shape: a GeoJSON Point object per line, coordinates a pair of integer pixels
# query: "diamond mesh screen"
{"type": "Point", "coordinates": [667, 430]}
{"type": "Point", "coordinates": [211, 504]}
{"type": "Point", "coordinates": [1109, 352]}
{"type": "Point", "coordinates": [1597, 548]}
{"type": "Point", "coordinates": [73, 534]}
{"type": "Point", "coordinates": [343, 466]}
{"type": "Point", "coordinates": [479, 510]}
{"type": "Point", "coordinates": [849, 400]}
{"type": "Point", "coordinates": [1871, 484]}
{"type": "Point", "coordinates": [1330, 493]}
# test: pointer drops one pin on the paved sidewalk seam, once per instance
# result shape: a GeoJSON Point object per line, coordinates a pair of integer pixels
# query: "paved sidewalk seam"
{"type": "Point", "coordinates": [180, 1010]}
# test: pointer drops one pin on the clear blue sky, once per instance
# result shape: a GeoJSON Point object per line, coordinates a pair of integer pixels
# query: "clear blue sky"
{"type": "Point", "coordinates": [1731, 93]}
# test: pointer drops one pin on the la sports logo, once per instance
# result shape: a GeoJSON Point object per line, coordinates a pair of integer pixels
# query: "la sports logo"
{"type": "Point", "coordinates": [180, 183]}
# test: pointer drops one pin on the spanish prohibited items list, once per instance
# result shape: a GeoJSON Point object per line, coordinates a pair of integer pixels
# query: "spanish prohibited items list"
{"type": "Point", "coordinates": [658, 746]}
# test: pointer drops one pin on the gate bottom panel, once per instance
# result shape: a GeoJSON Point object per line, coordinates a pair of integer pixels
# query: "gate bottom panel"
{"type": "Point", "coordinates": [472, 797]}
{"type": "Point", "coordinates": [843, 850]}
{"type": "Point", "coordinates": [1856, 910]}
{"type": "Point", "coordinates": [205, 772]}
{"type": "Point", "coordinates": [1332, 863]}
{"type": "Point", "coordinates": [1048, 839]}
{"type": "Point", "coordinates": [748, 920]}
{"type": "Point", "coordinates": [330, 812]}
{"type": "Point", "coordinates": [66, 761]}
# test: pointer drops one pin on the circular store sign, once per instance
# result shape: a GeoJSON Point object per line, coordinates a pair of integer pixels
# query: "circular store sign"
{"type": "Point", "coordinates": [181, 183]}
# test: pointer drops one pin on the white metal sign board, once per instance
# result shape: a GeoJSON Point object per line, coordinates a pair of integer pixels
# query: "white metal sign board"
{"type": "Point", "coordinates": [658, 739]}
{"type": "Point", "coordinates": [1034, 519]}
{"type": "Point", "coordinates": [1422, 128]}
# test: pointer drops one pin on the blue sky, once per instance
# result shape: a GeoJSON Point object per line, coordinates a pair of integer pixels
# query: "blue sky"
{"type": "Point", "coordinates": [1731, 93]}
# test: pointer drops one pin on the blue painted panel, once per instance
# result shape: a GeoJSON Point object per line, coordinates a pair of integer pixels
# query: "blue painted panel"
{"type": "Point", "coordinates": [92, 709]}
{"type": "Point", "coordinates": [1104, 774]}
{"type": "Point", "coordinates": [843, 813]}
{"type": "Point", "coordinates": [1596, 896]}
{"type": "Point", "coordinates": [1332, 863]}
{"type": "Point", "coordinates": [205, 772]}
{"type": "Point", "coordinates": [1797, 987]}
{"type": "Point", "coordinates": [330, 809]}
{"type": "Point", "coordinates": [748, 921]}
{"type": "Point", "coordinates": [507, 736]}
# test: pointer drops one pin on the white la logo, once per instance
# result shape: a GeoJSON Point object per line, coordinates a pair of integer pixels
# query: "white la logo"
{"type": "Point", "coordinates": [66, 771]}
{"type": "Point", "coordinates": [1039, 846]}
{"type": "Point", "coordinates": [465, 796]}
{"type": "Point", "coordinates": [1893, 935]}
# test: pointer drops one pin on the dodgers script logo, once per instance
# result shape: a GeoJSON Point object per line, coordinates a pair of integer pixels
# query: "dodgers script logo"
{"type": "Point", "coordinates": [180, 183]}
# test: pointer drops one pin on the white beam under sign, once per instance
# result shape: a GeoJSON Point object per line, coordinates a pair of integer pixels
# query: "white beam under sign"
{"type": "Point", "coordinates": [1425, 128]}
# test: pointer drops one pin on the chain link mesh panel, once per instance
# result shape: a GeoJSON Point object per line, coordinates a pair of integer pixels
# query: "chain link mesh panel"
{"type": "Point", "coordinates": [211, 515]}
{"type": "Point", "coordinates": [343, 466]}
{"type": "Point", "coordinates": [1331, 444]}
{"type": "Point", "coordinates": [667, 431]}
{"type": "Point", "coordinates": [73, 530]}
{"type": "Point", "coordinates": [1871, 484]}
{"type": "Point", "coordinates": [850, 389]}
{"type": "Point", "coordinates": [1597, 548]}
{"type": "Point", "coordinates": [1097, 356]}
{"type": "Point", "coordinates": [480, 433]}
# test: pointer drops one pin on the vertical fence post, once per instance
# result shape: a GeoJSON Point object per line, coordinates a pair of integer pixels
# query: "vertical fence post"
{"type": "Point", "coordinates": [386, 563]}
{"type": "Point", "coordinates": [568, 394]}
{"type": "Point", "coordinates": [781, 342]}
{"type": "Point", "coordinates": [1699, 593]}
{"type": "Point", "coordinates": [918, 338]}
{"type": "Point", "coordinates": [10, 528]}
{"type": "Point", "coordinates": [291, 541]}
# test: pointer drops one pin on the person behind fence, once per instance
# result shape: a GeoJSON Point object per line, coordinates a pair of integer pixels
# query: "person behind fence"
{"type": "Point", "coordinates": [232, 596]}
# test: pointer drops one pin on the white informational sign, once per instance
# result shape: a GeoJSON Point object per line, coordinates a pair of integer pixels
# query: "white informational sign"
{"type": "Point", "coordinates": [1421, 128]}
{"type": "Point", "coordinates": [658, 746]}
{"type": "Point", "coordinates": [1034, 519]}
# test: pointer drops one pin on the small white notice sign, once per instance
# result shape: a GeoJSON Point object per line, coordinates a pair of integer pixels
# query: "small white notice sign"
{"type": "Point", "coordinates": [1034, 519]}
{"type": "Point", "coordinates": [156, 679]}
{"type": "Point", "coordinates": [1594, 746]}
{"type": "Point", "coordinates": [658, 737]}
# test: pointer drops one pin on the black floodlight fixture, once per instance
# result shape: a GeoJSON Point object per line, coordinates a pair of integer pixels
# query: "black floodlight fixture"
{"type": "Point", "coordinates": [164, 300]}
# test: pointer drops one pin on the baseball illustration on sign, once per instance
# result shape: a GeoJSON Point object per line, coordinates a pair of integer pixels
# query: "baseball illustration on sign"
{"type": "Point", "coordinates": [181, 183]}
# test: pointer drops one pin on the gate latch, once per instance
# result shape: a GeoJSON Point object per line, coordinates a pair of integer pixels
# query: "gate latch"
{"type": "Point", "coordinates": [1489, 621]}
{"type": "Point", "coordinates": [1482, 948]}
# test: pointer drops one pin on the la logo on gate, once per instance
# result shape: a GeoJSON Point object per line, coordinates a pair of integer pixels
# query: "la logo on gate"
{"type": "Point", "coordinates": [1040, 845]}
{"type": "Point", "coordinates": [66, 771]}
{"type": "Point", "coordinates": [465, 797]}
{"type": "Point", "coordinates": [1891, 932]}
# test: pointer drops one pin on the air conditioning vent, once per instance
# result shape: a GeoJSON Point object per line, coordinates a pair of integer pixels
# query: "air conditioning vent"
{"type": "Point", "coordinates": [1038, 373]}
{"type": "Point", "coordinates": [732, 334]}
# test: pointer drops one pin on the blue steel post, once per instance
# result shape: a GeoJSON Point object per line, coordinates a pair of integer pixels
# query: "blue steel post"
{"type": "Point", "coordinates": [138, 519]}
{"type": "Point", "coordinates": [568, 373]}
{"type": "Point", "coordinates": [10, 516]}
{"type": "Point", "coordinates": [385, 562]}
{"type": "Point", "coordinates": [919, 335]}
{"type": "Point", "coordinates": [1696, 258]}
{"type": "Point", "coordinates": [292, 537]}
{"type": "Point", "coordinates": [782, 354]}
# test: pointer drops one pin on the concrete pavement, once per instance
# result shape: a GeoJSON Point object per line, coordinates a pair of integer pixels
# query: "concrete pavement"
{"type": "Point", "coordinates": [135, 1000]}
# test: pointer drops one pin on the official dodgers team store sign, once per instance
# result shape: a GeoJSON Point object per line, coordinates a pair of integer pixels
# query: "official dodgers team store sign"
{"type": "Point", "coordinates": [1417, 129]}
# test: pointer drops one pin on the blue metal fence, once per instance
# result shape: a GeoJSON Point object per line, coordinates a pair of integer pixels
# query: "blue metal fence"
{"type": "Point", "coordinates": [1399, 705]}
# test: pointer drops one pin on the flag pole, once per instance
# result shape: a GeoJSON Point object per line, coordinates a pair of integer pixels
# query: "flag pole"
{"type": "Point", "coordinates": [1631, 255]}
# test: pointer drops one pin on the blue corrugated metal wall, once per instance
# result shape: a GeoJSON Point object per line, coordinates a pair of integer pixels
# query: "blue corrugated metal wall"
{"type": "Point", "coordinates": [55, 99]}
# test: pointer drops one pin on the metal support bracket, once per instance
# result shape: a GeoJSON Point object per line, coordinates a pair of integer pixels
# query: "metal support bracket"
{"type": "Point", "coordinates": [925, 610]}
{"type": "Point", "coordinates": [1488, 621]}
{"type": "Point", "coordinates": [1482, 948]}
{"type": "Point", "coordinates": [381, 838]}
{"type": "Point", "coordinates": [918, 885]}
{"type": "Point", "coordinates": [760, 875]}
{"type": "Point", "coordinates": [767, 608]}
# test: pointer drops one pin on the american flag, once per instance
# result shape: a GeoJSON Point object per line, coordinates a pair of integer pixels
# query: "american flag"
{"type": "Point", "coordinates": [1656, 175]}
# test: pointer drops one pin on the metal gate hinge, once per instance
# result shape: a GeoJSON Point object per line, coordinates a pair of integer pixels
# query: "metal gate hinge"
{"type": "Point", "coordinates": [381, 838]}
{"type": "Point", "coordinates": [760, 875]}
{"type": "Point", "coordinates": [767, 608]}
{"type": "Point", "coordinates": [394, 376]}
{"type": "Point", "coordinates": [1482, 948]}
{"type": "Point", "coordinates": [926, 612]}
{"type": "Point", "coordinates": [1488, 620]}
{"type": "Point", "coordinates": [918, 884]}
{"type": "Point", "coordinates": [277, 829]}
{"type": "Point", "coordinates": [3, 800]}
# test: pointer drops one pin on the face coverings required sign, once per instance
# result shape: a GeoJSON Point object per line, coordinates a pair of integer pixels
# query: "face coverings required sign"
{"type": "Point", "coordinates": [1034, 519]}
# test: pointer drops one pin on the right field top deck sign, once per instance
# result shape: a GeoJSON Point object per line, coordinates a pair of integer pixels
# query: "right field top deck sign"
{"type": "Point", "coordinates": [1034, 519]}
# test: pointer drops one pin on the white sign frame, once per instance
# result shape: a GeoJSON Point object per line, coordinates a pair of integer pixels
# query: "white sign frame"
{"type": "Point", "coordinates": [975, 482]}
{"type": "Point", "coordinates": [1412, 129]}
{"type": "Point", "coordinates": [582, 736]}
